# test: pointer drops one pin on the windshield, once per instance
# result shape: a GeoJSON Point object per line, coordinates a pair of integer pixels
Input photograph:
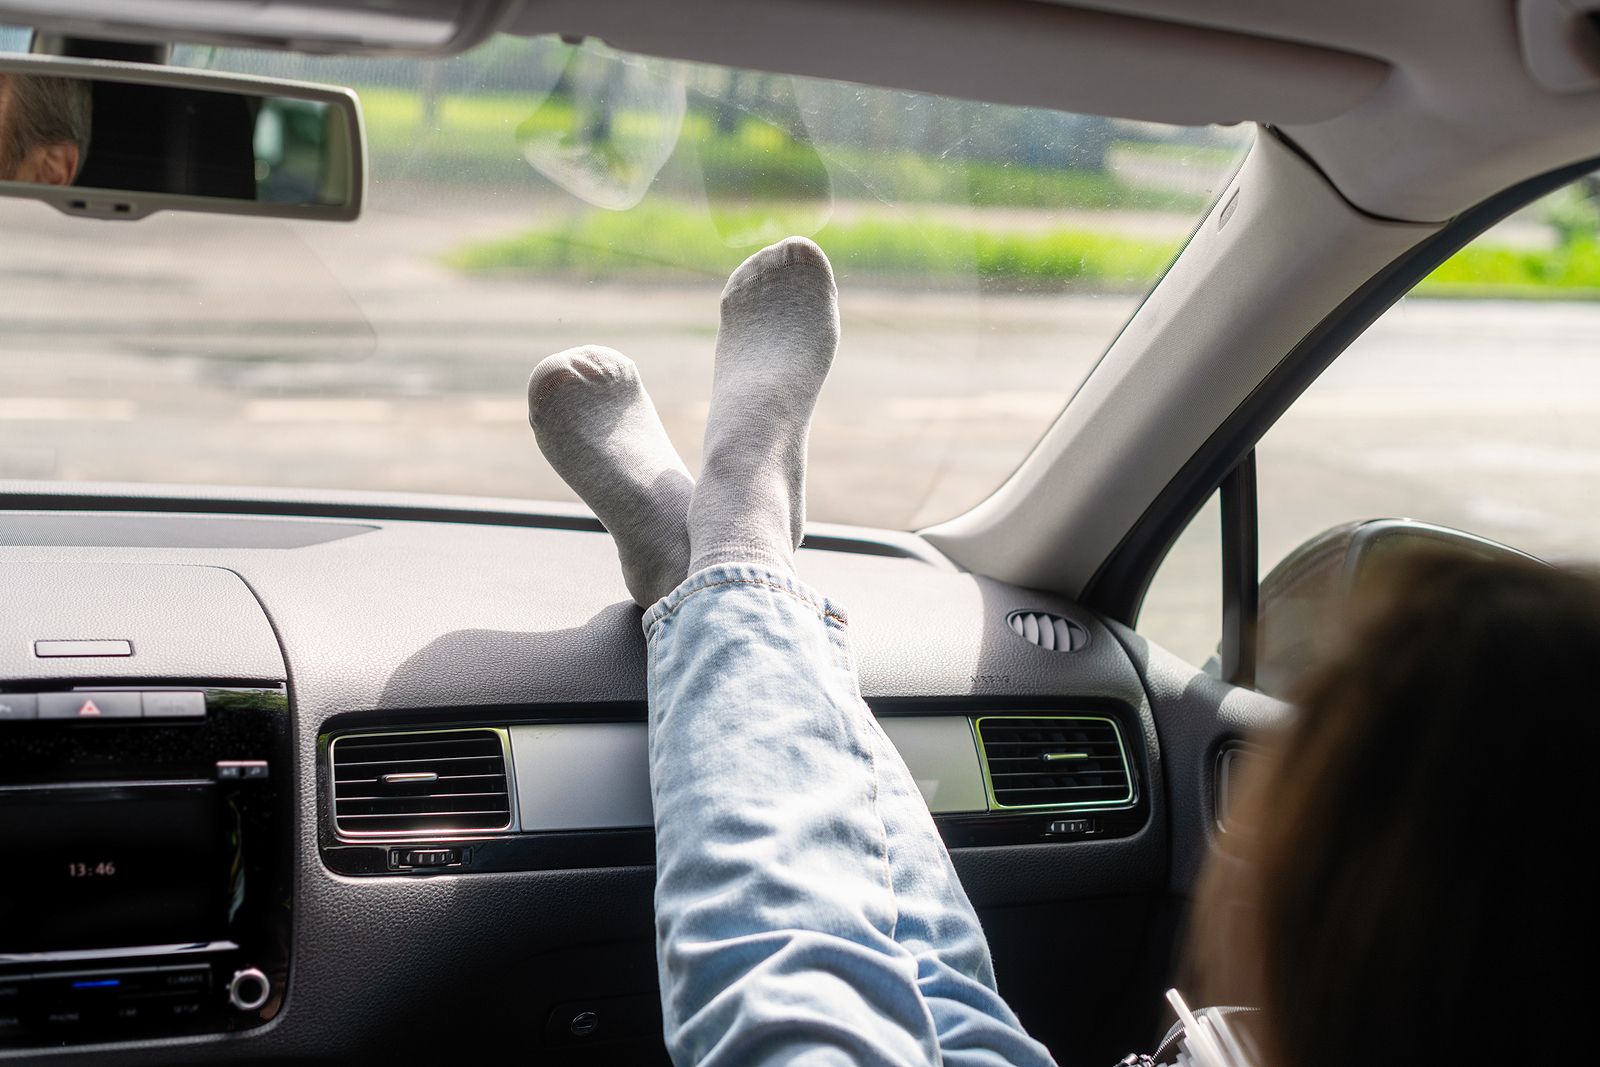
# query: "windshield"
{"type": "Point", "coordinates": [534, 195]}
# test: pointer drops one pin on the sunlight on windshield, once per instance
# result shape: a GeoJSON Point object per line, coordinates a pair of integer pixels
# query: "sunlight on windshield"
{"type": "Point", "coordinates": [533, 195]}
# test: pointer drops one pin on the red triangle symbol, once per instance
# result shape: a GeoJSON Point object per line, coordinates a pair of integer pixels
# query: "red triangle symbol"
{"type": "Point", "coordinates": [88, 708]}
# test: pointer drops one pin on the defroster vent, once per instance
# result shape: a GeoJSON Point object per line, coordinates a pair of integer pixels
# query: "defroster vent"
{"type": "Point", "coordinates": [1054, 761]}
{"type": "Point", "coordinates": [1050, 632]}
{"type": "Point", "coordinates": [420, 784]}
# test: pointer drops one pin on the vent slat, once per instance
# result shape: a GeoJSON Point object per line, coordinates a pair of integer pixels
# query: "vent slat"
{"type": "Point", "coordinates": [466, 790]}
{"type": "Point", "coordinates": [1057, 788]}
{"type": "Point", "coordinates": [357, 806]}
{"type": "Point", "coordinates": [1049, 632]}
{"type": "Point", "coordinates": [405, 825]}
{"type": "Point", "coordinates": [362, 745]}
{"type": "Point", "coordinates": [1036, 757]}
{"type": "Point", "coordinates": [424, 814]}
{"type": "Point", "coordinates": [469, 778]}
{"type": "Point", "coordinates": [1020, 777]}
{"type": "Point", "coordinates": [408, 760]}
{"type": "Point", "coordinates": [1012, 778]}
{"type": "Point", "coordinates": [1015, 749]}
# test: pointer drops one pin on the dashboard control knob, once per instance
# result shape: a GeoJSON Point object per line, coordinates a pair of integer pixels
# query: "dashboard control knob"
{"type": "Point", "coordinates": [249, 989]}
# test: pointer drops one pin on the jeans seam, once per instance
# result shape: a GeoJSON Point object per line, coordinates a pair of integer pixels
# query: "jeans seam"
{"type": "Point", "coordinates": [888, 868]}
{"type": "Point", "coordinates": [824, 611]}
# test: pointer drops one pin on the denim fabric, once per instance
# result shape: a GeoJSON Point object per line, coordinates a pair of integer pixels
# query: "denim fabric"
{"type": "Point", "coordinates": [806, 909]}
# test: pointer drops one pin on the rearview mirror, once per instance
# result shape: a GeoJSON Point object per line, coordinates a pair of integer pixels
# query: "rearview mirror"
{"type": "Point", "coordinates": [1304, 599]}
{"type": "Point", "coordinates": [123, 140]}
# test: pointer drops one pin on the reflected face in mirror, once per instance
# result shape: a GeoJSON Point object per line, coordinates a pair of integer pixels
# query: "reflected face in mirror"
{"type": "Point", "coordinates": [44, 128]}
{"type": "Point", "coordinates": [157, 138]}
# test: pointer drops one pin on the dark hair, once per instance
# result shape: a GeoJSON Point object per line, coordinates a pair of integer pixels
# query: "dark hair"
{"type": "Point", "coordinates": [44, 110]}
{"type": "Point", "coordinates": [1408, 883]}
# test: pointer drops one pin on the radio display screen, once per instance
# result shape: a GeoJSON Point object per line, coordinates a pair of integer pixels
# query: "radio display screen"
{"type": "Point", "coordinates": [112, 866]}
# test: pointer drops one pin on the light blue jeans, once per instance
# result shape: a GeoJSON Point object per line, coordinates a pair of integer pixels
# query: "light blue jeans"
{"type": "Point", "coordinates": [806, 909]}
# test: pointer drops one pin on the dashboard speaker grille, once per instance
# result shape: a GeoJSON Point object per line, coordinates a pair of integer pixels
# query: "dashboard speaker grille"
{"type": "Point", "coordinates": [420, 784]}
{"type": "Point", "coordinates": [1050, 632]}
{"type": "Point", "coordinates": [1054, 761]}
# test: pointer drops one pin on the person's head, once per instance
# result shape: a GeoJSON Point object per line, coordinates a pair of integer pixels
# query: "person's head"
{"type": "Point", "coordinates": [44, 128]}
{"type": "Point", "coordinates": [1407, 884]}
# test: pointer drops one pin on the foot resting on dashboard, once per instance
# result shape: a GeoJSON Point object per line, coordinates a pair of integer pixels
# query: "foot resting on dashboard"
{"type": "Point", "coordinates": [780, 326]}
{"type": "Point", "coordinates": [596, 425]}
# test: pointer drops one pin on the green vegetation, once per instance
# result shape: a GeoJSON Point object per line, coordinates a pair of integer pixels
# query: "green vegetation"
{"type": "Point", "coordinates": [662, 240]}
{"type": "Point", "coordinates": [1569, 272]}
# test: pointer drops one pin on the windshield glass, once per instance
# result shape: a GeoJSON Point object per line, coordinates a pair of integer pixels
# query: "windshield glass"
{"type": "Point", "coordinates": [534, 195]}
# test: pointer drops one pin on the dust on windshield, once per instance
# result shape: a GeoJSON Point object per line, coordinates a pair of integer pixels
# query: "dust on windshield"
{"type": "Point", "coordinates": [534, 195]}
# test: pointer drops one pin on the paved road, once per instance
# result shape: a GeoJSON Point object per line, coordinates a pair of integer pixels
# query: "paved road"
{"type": "Point", "coordinates": [152, 351]}
{"type": "Point", "coordinates": [1484, 416]}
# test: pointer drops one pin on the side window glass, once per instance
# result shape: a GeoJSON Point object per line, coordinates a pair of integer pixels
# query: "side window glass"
{"type": "Point", "coordinates": [1474, 403]}
{"type": "Point", "coordinates": [1182, 610]}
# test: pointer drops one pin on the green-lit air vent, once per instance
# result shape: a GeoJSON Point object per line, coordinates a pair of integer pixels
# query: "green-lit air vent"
{"type": "Point", "coordinates": [1054, 761]}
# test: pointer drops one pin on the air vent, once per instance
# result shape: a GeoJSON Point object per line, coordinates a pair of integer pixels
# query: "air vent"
{"type": "Point", "coordinates": [1054, 761]}
{"type": "Point", "coordinates": [1048, 631]}
{"type": "Point", "coordinates": [420, 784]}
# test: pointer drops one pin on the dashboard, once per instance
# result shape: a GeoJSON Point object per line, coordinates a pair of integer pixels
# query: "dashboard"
{"type": "Point", "coordinates": [302, 787]}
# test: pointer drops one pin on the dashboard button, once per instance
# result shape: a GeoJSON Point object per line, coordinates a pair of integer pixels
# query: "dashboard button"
{"type": "Point", "coordinates": [235, 769]}
{"type": "Point", "coordinates": [430, 857]}
{"type": "Point", "coordinates": [52, 649]}
{"type": "Point", "coordinates": [174, 705]}
{"type": "Point", "coordinates": [14, 706]}
{"type": "Point", "coordinates": [249, 989]}
{"type": "Point", "coordinates": [191, 978]}
{"type": "Point", "coordinates": [85, 706]}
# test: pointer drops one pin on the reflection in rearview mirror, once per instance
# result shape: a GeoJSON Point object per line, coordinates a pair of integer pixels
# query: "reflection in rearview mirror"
{"type": "Point", "coordinates": [120, 140]}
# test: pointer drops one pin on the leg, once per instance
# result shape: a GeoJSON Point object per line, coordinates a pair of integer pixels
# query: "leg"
{"type": "Point", "coordinates": [775, 916]}
{"type": "Point", "coordinates": [804, 901]}
{"type": "Point", "coordinates": [805, 908]}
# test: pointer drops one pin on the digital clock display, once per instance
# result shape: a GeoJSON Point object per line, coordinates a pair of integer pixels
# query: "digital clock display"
{"type": "Point", "coordinates": [103, 869]}
{"type": "Point", "coordinates": [111, 866]}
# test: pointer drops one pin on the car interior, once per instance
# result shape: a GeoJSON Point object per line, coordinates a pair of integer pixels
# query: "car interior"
{"type": "Point", "coordinates": [322, 741]}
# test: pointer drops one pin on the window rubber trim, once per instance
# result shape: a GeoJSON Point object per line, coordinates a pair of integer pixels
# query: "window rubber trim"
{"type": "Point", "coordinates": [1118, 587]}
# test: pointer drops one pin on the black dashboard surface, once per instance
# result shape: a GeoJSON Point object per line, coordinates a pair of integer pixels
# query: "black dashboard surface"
{"type": "Point", "coordinates": [385, 621]}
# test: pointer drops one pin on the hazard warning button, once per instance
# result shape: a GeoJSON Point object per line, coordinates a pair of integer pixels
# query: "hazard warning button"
{"type": "Point", "coordinates": [89, 707]}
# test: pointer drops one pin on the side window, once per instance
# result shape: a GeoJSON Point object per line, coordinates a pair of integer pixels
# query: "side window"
{"type": "Point", "coordinates": [1182, 610]}
{"type": "Point", "coordinates": [1473, 404]}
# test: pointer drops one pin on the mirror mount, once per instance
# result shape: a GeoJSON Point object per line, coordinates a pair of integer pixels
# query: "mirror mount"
{"type": "Point", "coordinates": [57, 44]}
